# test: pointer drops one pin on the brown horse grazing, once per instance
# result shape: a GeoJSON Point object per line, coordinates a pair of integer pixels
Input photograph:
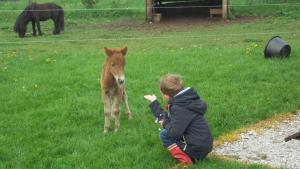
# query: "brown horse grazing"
{"type": "Point", "coordinates": [35, 13]}
{"type": "Point", "coordinates": [113, 86]}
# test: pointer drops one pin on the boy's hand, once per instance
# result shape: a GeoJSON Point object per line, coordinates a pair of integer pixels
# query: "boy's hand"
{"type": "Point", "coordinates": [150, 98]}
{"type": "Point", "coordinates": [161, 123]}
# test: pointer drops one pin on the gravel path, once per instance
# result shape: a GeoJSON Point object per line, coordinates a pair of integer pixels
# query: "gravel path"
{"type": "Point", "coordinates": [268, 147]}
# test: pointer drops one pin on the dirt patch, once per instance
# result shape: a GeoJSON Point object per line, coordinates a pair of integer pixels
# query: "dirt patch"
{"type": "Point", "coordinates": [170, 24]}
{"type": "Point", "coordinates": [188, 23]}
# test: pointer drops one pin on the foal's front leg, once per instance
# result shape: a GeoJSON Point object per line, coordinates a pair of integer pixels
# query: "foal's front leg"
{"type": "Point", "coordinates": [128, 112]}
{"type": "Point", "coordinates": [116, 110]}
{"type": "Point", "coordinates": [107, 111]}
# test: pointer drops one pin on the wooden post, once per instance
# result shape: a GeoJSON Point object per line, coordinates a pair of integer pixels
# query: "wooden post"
{"type": "Point", "coordinates": [29, 2]}
{"type": "Point", "coordinates": [225, 9]}
{"type": "Point", "coordinates": [149, 9]}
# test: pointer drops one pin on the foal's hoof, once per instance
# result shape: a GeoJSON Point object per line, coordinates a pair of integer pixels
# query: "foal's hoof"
{"type": "Point", "coordinates": [129, 115]}
{"type": "Point", "coordinates": [105, 130]}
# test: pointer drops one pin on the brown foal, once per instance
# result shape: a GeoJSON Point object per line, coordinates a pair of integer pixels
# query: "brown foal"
{"type": "Point", "coordinates": [113, 86]}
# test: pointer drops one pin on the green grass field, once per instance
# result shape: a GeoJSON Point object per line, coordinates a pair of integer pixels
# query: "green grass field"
{"type": "Point", "coordinates": [50, 104]}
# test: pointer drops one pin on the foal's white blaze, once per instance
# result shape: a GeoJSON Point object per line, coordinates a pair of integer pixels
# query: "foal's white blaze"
{"type": "Point", "coordinates": [120, 79]}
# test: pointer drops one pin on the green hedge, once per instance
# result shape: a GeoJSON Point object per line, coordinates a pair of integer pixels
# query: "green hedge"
{"type": "Point", "coordinates": [287, 8]}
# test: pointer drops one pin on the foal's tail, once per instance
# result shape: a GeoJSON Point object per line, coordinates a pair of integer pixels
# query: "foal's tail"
{"type": "Point", "coordinates": [61, 19]}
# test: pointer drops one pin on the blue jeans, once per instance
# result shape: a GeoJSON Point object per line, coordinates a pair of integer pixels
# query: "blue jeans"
{"type": "Point", "coordinates": [167, 141]}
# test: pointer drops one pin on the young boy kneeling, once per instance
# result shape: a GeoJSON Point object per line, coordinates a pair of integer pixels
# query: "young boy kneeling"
{"type": "Point", "coordinates": [185, 131]}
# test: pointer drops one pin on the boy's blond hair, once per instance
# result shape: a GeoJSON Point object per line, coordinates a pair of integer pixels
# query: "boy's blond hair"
{"type": "Point", "coordinates": [171, 84]}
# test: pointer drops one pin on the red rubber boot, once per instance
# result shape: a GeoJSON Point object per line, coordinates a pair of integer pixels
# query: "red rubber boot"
{"type": "Point", "coordinates": [181, 156]}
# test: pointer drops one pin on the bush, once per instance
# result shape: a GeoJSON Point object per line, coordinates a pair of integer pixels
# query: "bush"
{"type": "Point", "coordinates": [89, 3]}
{"type": "Point", "coordinates": [284, 8]}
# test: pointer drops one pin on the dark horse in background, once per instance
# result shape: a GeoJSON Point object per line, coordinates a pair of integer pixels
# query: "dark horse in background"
{"type": "Point", "coordinates": [35, 13]}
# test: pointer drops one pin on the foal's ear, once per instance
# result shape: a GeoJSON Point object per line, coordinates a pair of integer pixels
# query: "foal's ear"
{"type": "Point", "coordinates": [124, 50]}
{"type": "Point", "coordinates": [107, 51]}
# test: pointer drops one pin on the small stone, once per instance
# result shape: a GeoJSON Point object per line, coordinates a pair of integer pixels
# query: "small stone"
{"type": "Point", "coordinates": [262, 156]}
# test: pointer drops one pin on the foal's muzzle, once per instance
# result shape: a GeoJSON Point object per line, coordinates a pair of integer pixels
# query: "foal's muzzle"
{"type": "Point", "coordinates": [120, 80]}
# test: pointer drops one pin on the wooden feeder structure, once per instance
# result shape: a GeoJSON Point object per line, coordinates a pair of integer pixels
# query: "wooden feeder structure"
{"type": "Point", "coordinates": [213, 7]}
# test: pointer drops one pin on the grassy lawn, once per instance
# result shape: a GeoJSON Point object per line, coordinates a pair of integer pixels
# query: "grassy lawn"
{"type": "Point", "coordinates": [50, 105]}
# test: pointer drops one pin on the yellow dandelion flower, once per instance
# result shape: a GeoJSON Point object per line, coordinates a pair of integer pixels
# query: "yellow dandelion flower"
{"type": "Point", "coordinates": [254, 45]}
{"type": "Point", "coordinates": [48, 60]}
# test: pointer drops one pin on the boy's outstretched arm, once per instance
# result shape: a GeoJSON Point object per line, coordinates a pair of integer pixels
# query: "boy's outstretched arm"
{"type": "Point", "coordinates": [155, 107]}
